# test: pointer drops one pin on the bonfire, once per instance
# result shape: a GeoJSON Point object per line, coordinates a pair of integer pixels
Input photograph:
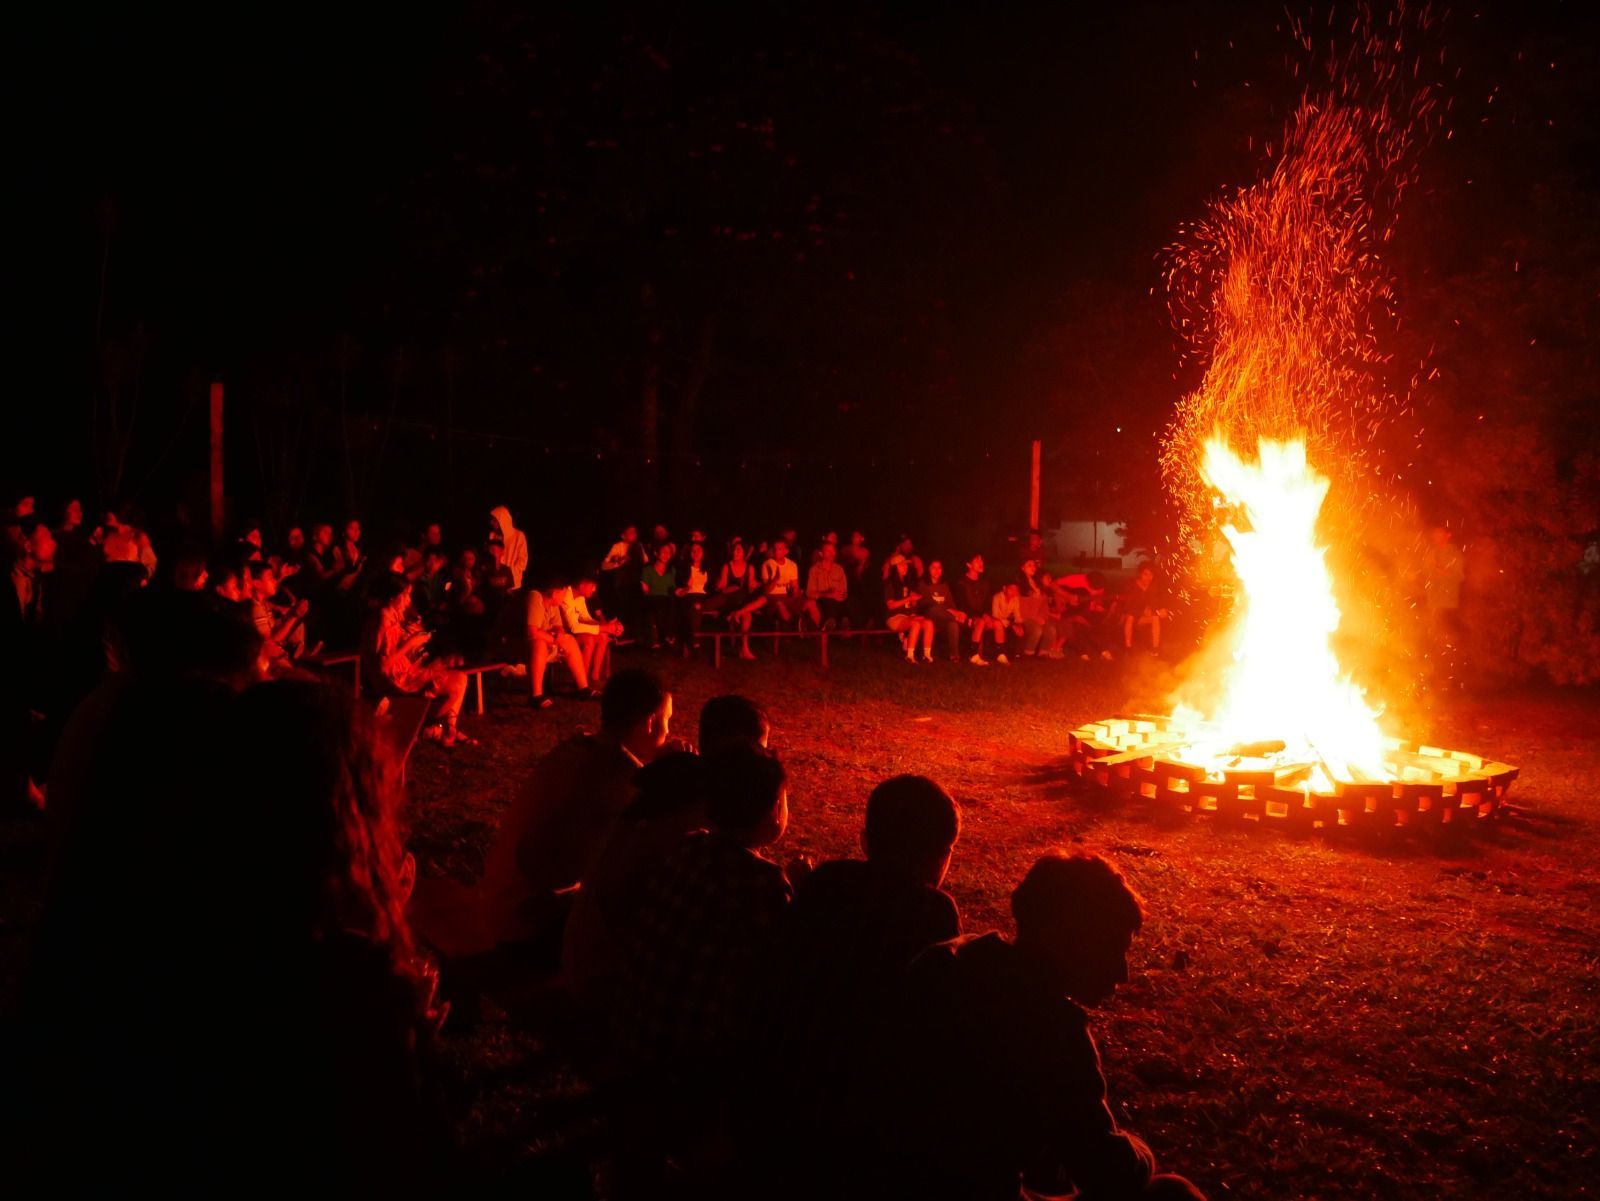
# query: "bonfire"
{"type": "Point", "coordinates": [1281, 293]}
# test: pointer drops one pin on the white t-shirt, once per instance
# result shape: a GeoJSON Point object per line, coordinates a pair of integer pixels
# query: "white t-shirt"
{"type": "Point", "coordinates": [782, 577]}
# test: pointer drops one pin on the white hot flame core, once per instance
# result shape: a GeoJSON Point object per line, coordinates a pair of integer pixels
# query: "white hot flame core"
{"type": "Point", "coordinates": [1283, 681]}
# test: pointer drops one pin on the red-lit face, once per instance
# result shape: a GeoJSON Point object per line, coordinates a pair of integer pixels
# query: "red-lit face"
{"type": "Point", "coordinates": [74, 513]}
{"type": "Point", "coordinates": [352, 531]}
{"type": "Point", "coordinates": [976, 566]}
{"type": "Point", "coordinates": [297, 539]}
{"type": "Point", "coordinates": [935, 572]}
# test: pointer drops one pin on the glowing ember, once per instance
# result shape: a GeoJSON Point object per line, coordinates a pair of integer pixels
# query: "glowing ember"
{"type": "Point", "coordinates": [1281, 682]}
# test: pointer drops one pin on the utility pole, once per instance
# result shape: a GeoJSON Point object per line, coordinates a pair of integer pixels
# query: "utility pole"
{"type": "Point", "coordinates": [1033, 491]}
{"type": "Point", "coordinates": [218, 517]}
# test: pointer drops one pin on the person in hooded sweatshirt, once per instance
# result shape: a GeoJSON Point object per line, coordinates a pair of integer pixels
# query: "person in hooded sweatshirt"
{"type": "Point", "coordinates": [516, 544]}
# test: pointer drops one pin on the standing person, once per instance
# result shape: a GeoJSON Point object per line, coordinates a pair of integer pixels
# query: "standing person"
{"type": "Point", "coordinates": [549, 638]}
{"type": "Point", "coordinates": [657, 586]}
{"type": "Point", "coordinates": [620, 573]}
{"type": "Point", "coordinates": [352, 560]}
{"type": "Point", "coordinates": [392, 657]}
{"type": "Point", "coordinates": [989, 1057]}
{"type": "Point", "coordinates": [516, 544]}
{"type": "Point", "coordinates": [939, 607]}
{"type": "Point", "coordinates": [902, 601]}
{"type": "Point", "coordinates": [974, 597]}
{"type": "Point", "coordinates": [691, 591]}
{"type": "Point", "coordinates": [594, 633]}
{"type": "Point", "coordinates": [827, 588]}
{"type": "Point", "coordinates": [1143, 606]}
{"type": "Point", "coordinates": [1005, 613]}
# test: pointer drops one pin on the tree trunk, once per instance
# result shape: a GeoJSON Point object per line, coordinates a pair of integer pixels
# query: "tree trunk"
{"type": "Point", "coordinates": [650, 399]}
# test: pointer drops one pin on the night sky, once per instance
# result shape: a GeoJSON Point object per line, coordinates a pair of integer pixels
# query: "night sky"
{"type": "Point", "coordinates": [865, 256]}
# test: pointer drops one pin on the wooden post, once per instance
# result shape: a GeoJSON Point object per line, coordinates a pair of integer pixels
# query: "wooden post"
{"type": "Point", "coordinates": [218, 517]}
{"type": "Point", "coordinates": [1033, 491]}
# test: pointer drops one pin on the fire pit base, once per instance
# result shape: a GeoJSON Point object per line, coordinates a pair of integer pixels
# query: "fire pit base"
{"type": "Point", "coordinates": [1132, 757]}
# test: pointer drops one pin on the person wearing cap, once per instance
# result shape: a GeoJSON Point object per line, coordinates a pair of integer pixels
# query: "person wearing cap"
{"type": "Point", "coordinates": [905, 549]}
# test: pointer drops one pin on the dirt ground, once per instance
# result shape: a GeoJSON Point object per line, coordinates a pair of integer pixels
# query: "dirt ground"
{"type": "Point", "coordinates": [1308, 1017]}
{"type": "Point", "coordinates": [1314, 1017]}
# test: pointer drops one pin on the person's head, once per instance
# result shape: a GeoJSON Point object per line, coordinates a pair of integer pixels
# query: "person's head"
{"type": "Point", "coordinates": [264, 583]}
{"type": "Point", "coordinates": [1076, 917]}
{"type": "Point", "coordinates": [392, 594]}
{"type": "Point", "coordinates": [434, 560]}
{"type": "Point", "coordinates": [935, 571]}
{"type": "Point", "coordinates": [747, 795]}
{"type": "Point", "coordinates": [911, 828]}
{"type": "Point", "coordinates": [829, 551]}
{"type": "Point", "coordinates": [697, 536]}
{"type": "Point", "coordinates": [467, 559]}
{"type": "Point", "coordinates": [322, 535]}
{"type": "Point", "coordinates": [497, 551]}
{"type": "Point", "coordinates": [297, 538]}
{"type": "Point", "coordinates": [905, 546]}
{"type": "Point", "coordinates": [975, 566]}
{"type": "Point", "coordinates": [252, 537]}
{"type": "Point", "coordinates": [1030, 568]}
{"type": "Point", "coordinates": [736, 548]}
{"type": "Point", "coordinates": [663, 554]}
{"type": "Point", "coordinates": [636, 710]}
{"type": "Point", "coordinates": [831, 538]}
{"type": "Point", "coordinates": [1035, 540]}
{"type": "Point", "coordinates": [38, 543]}
{"type": "Point", "coordinates": [352, 530]}
{"type": "Point", "coordinates": [556, 587]}
{"type": "Point", "coordinates": [587, 586]}
{"type": "Point", "coordinates": [190, 574]}
{"type": "Point", "coordinates": [72, 515]}
{"type": "Point", "coordinates": [630, 533]}
{"type": "Point", "coordinates": [226, 582]}
{"type": "Point", "coordinates": [23, 507]}
{"type": "Point", "coordinates": [898, 564]}
{"type": "Point", "coordinates": [790, 535]}
{"type": "Point", "coordinates": [732, 720]}
{"type": "Point", "coordinates": [857, 538]}
{"type": "Point", "coordinates": [1146, 575]}
{"type": "Point", "coordinates": [697, 554]}
{"type": "Point", "coordinates": [1012, 590]}
{"type": "Point", "coordinates": [780, 549]}
{"type": "Point", "coordinates": [432, 534]}
{"type": "Point", "coordinates": [660, 534]}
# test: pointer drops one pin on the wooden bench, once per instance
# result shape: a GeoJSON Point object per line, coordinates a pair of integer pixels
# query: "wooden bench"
{"type": "Point", "coordinates": [822, 637]}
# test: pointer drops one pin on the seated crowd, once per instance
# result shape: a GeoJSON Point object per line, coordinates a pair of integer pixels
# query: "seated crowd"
{"type": "Point", "coordinates": [414, 614]}
{"type": "Point", "coordinates": [267, 981]}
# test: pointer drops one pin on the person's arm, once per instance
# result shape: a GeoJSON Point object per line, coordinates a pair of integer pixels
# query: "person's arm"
{"type": "Point", "coordinates": [814, 589]}
{"type": "Point", "coordinates": [1083, 1141]}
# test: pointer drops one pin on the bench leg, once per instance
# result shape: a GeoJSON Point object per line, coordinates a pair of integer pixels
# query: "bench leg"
{"type": "Point", "coordinates": [716, 650]}
{"type": "Point", "coordinates": [479, 678]}
{"type": "Point", "coordinates": [824, 648]}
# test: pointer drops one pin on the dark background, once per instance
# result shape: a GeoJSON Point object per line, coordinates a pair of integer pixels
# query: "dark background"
{"type": "Point", "coordinates": [851, 260]}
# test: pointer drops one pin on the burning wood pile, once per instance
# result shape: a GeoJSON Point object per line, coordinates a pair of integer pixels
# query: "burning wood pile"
{"type": "Point", "coordinates": [1178, 764]}
{"type": "Point", "coordinates": [1282, 297]}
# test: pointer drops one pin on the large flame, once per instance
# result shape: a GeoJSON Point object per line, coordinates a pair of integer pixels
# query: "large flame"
{"type": "Point", "coordinates": [1281, 680]}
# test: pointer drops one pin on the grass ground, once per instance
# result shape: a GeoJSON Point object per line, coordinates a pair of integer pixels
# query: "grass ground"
{"type": "Point", "coordinates": [1307, 1017]}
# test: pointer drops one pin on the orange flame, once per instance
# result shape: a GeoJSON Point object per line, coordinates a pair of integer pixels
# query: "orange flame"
{"type": "Point", "coordinates": [1281, 680]}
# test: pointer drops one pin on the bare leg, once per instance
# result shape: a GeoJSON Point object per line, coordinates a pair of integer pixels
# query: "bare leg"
{"type": "Point", "coordinates": [568, 646]}
{"type": "Point", "coordinates": [540, 661]}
